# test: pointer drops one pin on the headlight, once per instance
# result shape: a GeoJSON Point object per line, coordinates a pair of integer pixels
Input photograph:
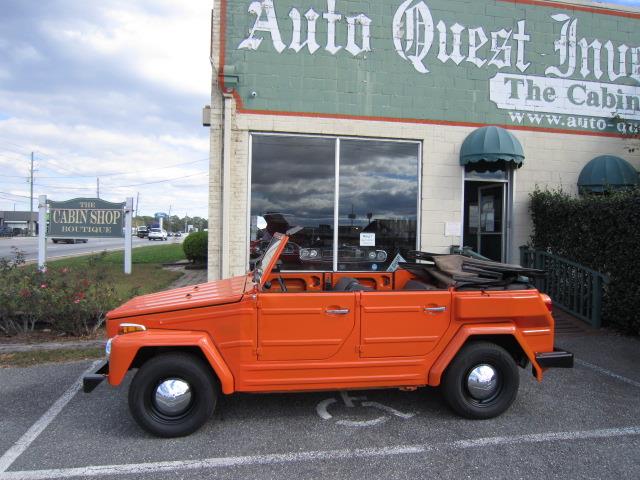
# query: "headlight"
{"type": "Point", "coordinates": [107, 349]}
{"type": "Point", "coordinates": [382, 255]}
{"type": "Point", "coordinates": [304, 253]}
{"type": "Point", "coordinates": [313, 253]}
{"type": "Point", "coordinates": [372, 255]}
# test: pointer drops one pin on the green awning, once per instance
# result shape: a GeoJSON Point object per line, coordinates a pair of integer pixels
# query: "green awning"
{"type": "Point", "coordinates": [491, 148]}
{"type": "Point", "coordinates": [607, 172]}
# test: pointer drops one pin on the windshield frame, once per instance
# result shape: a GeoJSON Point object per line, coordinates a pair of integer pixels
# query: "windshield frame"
{"type": "Point", "coordinates": [271, 254]}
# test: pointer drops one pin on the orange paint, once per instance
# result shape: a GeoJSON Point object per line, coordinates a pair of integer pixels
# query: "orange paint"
{"type": "Point", "coordinates": [311, 337]}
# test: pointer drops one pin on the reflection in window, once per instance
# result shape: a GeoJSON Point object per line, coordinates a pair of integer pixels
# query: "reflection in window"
{"type": "Point", "coordinates": [378, 203]}
{"type": "Point", "coordinates": [292, 184]}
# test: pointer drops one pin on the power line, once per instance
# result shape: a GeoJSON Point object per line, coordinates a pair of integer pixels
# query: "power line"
{"type": "Point", "coordinates": [15, 195]}
{"type": "Point", "coordinates": [137, 172]}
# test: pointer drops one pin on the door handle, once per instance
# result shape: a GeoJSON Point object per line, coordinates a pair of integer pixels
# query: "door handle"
{"type": "Point", "coordinates": [435, 309]}
{"type": "Point", "coordinates": [339, 311]}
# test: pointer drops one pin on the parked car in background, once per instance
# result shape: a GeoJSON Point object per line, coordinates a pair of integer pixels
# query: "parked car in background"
{"type": "Point", "coordinates": [69, 240]}
{"type": "Point", "coordinates": [157, 234]}
{"type": "Point", "coordinates": [6, 232]}
{"type": "Point", "coordinates": [142, 232]}
{"type": "Point", "coordinates": [178, 234]}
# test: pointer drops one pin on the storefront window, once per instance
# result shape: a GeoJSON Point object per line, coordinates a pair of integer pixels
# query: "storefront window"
{"type": "Point", "coordinates": [293, 184]}
{"type": "Point", "coordinates": [378, 203]}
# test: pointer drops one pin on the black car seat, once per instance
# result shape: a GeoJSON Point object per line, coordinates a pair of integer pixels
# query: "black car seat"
{"type": "Point", "coordinates": [417, 285]}
{"type": "Point", "coordinates": [348, 284]}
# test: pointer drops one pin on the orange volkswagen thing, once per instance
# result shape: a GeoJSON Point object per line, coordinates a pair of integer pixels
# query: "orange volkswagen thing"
{"type": "Point", "coordinates": [444, 320]}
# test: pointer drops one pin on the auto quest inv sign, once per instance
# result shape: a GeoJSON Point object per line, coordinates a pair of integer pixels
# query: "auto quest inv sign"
{"type": "Point", "coordinates": [530, 64]}
{"type": "Point", "coordinates": [86, 217]}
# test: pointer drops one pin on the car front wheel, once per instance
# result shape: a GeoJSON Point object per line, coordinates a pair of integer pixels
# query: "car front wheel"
{"type": "Point", "coordinates": [173, 395]}
{"type": "Point", "coordinates": [481, 382]}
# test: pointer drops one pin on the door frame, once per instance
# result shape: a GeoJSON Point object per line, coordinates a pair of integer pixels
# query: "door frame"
{"type": "Point", "coordinates": [507, 211]}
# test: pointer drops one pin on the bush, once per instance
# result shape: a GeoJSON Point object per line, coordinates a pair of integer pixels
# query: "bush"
{"type": "Point", "coordinates": [70, 300]}
{"type": "Point", "coordinates": [196, 246]}
{"type": "Point", "coordinates": [601, 232]}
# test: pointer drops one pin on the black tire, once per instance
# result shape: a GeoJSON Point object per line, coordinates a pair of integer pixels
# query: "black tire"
{"type": "Point", "coordinates": [455, 386]}
{"type": "Point", "coordinates": [182, 366]}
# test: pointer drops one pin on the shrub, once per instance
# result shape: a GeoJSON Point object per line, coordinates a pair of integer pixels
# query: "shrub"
{"type": "Point", "coordinates": [196, 246]}
{"type": "Point", "coordinates": [601, 232]}
{"type": "Point", "coordinates": [71, 300]}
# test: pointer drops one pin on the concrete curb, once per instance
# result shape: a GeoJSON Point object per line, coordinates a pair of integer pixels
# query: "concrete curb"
{"type": "Point", "coordinates": [32, 347]}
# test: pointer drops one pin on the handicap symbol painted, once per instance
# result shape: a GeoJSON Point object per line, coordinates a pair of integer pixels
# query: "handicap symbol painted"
{"type": "Point", "coordinates": [323, 411]}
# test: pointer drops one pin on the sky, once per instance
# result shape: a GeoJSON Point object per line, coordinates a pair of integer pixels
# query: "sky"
{"type": "Point", "coordinates": [111, 89]}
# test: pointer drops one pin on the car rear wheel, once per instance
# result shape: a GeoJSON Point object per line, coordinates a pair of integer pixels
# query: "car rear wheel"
{"type": "Point", "coordinates": [173, 395]}
{"type": "Point", "coordinates": [481, 382]}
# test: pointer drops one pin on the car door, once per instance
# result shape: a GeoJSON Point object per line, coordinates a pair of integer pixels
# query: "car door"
{"type": "Point", "coordinates": [402, 324]}
{"type": "Point", "coordinates": [303, 326]}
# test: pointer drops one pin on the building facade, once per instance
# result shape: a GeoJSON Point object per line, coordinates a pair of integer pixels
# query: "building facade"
{"type": "Point", "coordinates": [349, 118]}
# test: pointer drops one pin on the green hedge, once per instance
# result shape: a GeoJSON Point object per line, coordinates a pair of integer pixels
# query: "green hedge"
{"type": "Point", "coordinates": [601, 232]}
{"type": "Point", "coordinates": [196, 246]}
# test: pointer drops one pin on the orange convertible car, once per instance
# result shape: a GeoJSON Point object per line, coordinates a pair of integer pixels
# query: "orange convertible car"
{"type": "Point", "coordinates": [448, 321]}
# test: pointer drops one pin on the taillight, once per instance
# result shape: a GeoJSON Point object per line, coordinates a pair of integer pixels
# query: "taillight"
{"type": "Point", "coordinates": [548, 302]}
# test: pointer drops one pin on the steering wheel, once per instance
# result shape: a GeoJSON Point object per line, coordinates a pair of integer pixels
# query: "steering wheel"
{"type": "Point", "coordinates": [283, 287]}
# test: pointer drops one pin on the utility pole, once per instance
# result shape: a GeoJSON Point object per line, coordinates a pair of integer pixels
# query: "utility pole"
{"type": "Point", "coordinates": [98, 187]}
{"type": "Point", "coordinates": [137, 203]}
{"type": "Point", "coordinates": [31, 229]}
{"type": "Point", "coordinates": [169, 219]}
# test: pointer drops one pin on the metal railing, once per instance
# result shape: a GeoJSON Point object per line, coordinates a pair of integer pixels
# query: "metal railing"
{"type": "Point", "coordinates": [573, 287]}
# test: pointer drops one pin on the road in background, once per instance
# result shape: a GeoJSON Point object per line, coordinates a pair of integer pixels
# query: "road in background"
{"type": "Point", "coordinates": [29, 245]}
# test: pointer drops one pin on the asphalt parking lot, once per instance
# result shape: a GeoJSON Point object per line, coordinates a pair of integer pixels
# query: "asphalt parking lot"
{"type": "Point", "coordinates": [580, 423]}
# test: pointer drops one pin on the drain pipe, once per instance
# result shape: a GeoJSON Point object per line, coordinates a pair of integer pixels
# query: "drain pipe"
{"type": "Point", "coordinates": [226, 186]}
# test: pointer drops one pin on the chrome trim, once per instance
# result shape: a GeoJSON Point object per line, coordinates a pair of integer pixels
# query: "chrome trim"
{"type": "Point", "coordinates": [435, 309]}
{"type": "Point", "coordinates": [482, 382]}
{"type": "Point", "coordinates": [342, 311]}
{"type": "Point", "coordinates": [172, 397]}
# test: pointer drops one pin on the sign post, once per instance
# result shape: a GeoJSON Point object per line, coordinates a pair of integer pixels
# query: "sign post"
{"type": "Point", "coordinates": [128, 214]}
{"type": "Point", "coordinates": [42, 232]}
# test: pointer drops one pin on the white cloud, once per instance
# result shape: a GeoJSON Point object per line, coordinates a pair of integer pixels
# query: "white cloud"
{"type": "Point", "coordinates": [99, 88]}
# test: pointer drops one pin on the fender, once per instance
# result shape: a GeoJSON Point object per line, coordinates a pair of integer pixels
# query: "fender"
{"type": "Point", "coordinates": [125, 347]}
{"type": "Point", "coordinates": [466, 331]}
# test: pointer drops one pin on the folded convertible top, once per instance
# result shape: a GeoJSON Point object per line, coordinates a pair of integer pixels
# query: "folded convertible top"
{"type": "Point", "coordinates": [460, 271]}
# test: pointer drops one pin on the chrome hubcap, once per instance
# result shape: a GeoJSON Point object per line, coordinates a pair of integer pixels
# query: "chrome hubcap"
{"type": "Point", "coordinates": [482, 382]}
{"type": "Point", "coordinates": [172, 397]}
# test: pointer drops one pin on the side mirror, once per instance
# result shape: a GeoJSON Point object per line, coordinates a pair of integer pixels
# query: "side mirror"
{"type": "Point", "coordinates": [267, 285]}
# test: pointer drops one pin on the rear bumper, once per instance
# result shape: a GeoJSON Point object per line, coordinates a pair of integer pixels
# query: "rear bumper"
{"type": "Point", "coordinates": [90, 382]}
{"type": "Point", "coordinates": [555, 359]}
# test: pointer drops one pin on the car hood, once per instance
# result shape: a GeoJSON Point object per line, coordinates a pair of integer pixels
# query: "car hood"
{"type": "Point", "coordinates": [203, 295]}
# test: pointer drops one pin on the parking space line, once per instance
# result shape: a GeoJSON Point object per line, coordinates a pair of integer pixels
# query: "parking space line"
{"type": "Point", "coordinates": [43, 422]}
{"type": "Point", "coordinates": [296, 457]}
{"type": "Point", "coordinates": [607, 372]}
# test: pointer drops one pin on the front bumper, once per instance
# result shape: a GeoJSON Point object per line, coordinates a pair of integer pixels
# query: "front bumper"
{"type": "Point", "coordinates": [90, 382]}
{"type": "Point", "coordinates": [555, 359]}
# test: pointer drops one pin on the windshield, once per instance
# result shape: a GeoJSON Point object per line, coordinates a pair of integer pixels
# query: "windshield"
{"type": "Point", "coordinates": [265, 263]}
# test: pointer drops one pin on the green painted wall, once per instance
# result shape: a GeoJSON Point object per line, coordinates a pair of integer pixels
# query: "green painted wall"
{"type": "Point", "coordinates": [510, 83]}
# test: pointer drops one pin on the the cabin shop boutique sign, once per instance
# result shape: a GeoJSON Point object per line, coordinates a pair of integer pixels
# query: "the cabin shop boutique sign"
{"type": "Point", "coordinates": [481, 61]}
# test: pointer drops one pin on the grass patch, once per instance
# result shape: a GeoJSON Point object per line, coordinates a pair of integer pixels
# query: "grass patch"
{"type": "Point", "coordinates": [27, 359]}
{"type": "Point", "coordinates": [168, 253]}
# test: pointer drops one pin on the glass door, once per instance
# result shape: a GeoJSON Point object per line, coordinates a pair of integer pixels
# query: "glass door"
{"type": "Point", "coordinates": [490, 231]}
